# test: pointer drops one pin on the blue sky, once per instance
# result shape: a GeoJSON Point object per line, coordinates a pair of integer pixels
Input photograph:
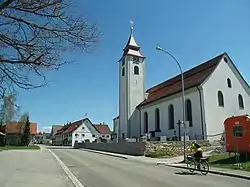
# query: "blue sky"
{"type": "Point", "coordinates": [193, 31]}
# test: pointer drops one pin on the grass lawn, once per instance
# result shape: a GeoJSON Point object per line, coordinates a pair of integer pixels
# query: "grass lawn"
{"type": "Point", "coordinates": [9, 147]}
{"type": "Point", "coordinates": [224, 161]}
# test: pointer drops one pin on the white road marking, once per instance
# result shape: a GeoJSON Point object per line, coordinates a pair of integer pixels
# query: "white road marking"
{"type": "Point", "coordinates": [71, 176]}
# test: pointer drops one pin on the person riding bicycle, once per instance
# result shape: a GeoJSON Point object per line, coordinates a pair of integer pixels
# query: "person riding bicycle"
{"type": "Point", "coordinates": [198, 153]}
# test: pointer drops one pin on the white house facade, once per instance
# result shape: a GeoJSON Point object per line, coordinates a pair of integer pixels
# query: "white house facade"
{"type": "Point", "coordinates": [77, 132]}
{"type": "Point", "coordinates": [214, 90]}
{"type": "Point", "coordinates": [86, 132]}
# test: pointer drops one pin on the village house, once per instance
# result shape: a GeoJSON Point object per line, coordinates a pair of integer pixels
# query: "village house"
{"type": "Point", "coordinates": [81, 131]}
{"type": "Point", "coordinates": [14, 130]}
{"type": "Point", "coordinates": [214, 90]}
{"type": "Point", "coordinates": [103, 129]}
{"type": "Point", "coordinates": [54, 129]}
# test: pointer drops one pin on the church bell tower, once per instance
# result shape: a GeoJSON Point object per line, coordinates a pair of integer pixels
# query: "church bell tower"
{"type": "Point", "coordinates": [131, 85]}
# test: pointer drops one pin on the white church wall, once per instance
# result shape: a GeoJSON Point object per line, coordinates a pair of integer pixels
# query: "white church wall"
{"type": "Point", "coordinates": [122, 100]}
{"type": "Point", "coordinates": [176, 100]}
{"type": "Point", "coordinates": [115, 125]}
{"type": "Point", "coordinates": [136, 84]}
{"type": "Point", "coordinates": [214, 114]}
{"type": "Point", "coordinates": [135, 124]}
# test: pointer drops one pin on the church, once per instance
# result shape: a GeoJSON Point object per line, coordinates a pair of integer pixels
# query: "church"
{"type": "Point", "coordinates": [214, 91]}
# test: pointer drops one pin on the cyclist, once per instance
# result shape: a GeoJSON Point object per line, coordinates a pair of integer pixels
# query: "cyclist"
{"type": "Point", "coordinates": [198, 153]}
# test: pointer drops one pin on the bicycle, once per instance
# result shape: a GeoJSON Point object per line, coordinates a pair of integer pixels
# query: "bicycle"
{"type": "Point", "coordinates": [192, 164]}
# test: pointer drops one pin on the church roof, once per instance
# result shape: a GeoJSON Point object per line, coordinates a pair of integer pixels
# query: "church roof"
{"type": "Point", "coordinates": [132, 48]}
{"type": "Point", "coordinates": [192, 78]}
{"type": "Point", "coordinates": [131, 42]}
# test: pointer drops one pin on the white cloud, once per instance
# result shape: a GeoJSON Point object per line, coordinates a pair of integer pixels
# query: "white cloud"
{"type": "Point", "coordinates": [45, 129]}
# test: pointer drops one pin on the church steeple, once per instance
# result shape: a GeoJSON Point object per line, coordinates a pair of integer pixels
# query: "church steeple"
{"type": "Point", "coordinates": [131, 87]}
{"type": "Point", "coordinates": [132, 48]}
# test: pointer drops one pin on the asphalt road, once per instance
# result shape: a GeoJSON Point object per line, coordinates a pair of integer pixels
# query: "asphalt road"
{"type": "Point", "coordinates": [95, 170]}
{"type": "Point", "coordinates": [31, 168]}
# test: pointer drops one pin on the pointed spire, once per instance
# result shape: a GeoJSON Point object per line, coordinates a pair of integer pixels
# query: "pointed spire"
{"type": "Point", "coordinates": [132, 48]}
{"type": "Point", "coordinates": [131, 41]}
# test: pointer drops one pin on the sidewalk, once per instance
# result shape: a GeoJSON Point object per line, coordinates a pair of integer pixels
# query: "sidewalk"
{"type": "Point", "coordinates": [220, 171]}
{"type": "Point", "coordinates": [28, 168]}
{"type": "Point", "coordinates": [175, 162]}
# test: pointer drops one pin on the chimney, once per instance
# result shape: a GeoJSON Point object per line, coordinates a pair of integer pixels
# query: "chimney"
{"type": "Point", "coordinates": [146, 95]}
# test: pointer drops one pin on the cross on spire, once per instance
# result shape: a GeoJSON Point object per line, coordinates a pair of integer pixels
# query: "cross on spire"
{"type": "Point", "coordinates": [131, 26]}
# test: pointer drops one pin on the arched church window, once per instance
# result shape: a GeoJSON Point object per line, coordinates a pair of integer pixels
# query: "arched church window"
{"type": "Point", "coordinates": [157, 119]}
{"type": "Point", "coordinates": [145, 122]}
{"type": "Point", "coordinates": [189, 116]}
{"type": "Point", "coordinates": [220, 99]}
{"type": "Point", "coordinates": [229, 83]}
{"type": "Point", "coordinates": [136, 70]}
{"type": "Point", "coordinates": [123, 71]}
{"type": "Point", "coordinates": [171, 116]}
{"type": "Point", "coordinates": [241, 103]}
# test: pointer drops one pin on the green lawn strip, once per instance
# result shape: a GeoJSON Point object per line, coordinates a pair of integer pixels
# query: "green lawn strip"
{"type": "Point", "coordinates": [31, 147]}
{"type": "Point", "coordinates": [226, 162]}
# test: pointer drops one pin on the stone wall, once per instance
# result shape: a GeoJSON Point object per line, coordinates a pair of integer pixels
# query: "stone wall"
{"type": "Point", "coordinates": [128, 148]}
{"type": "Point", "coordinates": [172, 148]}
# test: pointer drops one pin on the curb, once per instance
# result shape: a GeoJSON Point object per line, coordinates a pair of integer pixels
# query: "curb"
{"type": "Point", "coordinates": [70, 175]}
{"type": "Point", "coordinates": [213, 172]}
{"type": "Point", "coordinates": [102, 153]}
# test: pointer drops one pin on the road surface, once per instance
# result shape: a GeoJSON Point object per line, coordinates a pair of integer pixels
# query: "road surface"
{"type": "Point", "coordinates": [95, 170]}
{"type": "Point", "coordinates": [31, 168]}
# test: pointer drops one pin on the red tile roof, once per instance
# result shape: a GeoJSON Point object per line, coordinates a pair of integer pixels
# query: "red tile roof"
{"type": "Point", "coordinates": [73, 126]}
{"type": "Point", "coordinates": [102, 129]}
{"type": "Point", "coordinates": [15, 127]}
{"type": "Point", "coordinates": [55, 128]}
{"type": "Point", "coordinates": [192, 78]}
{"type": "Point", "coordinates": [60, 131]}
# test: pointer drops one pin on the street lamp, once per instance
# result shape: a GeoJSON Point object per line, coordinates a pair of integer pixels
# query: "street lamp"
{"type": "Point", "coordinates": [183, 94]}
{"type": "Point", "coordinates": [117, 118]}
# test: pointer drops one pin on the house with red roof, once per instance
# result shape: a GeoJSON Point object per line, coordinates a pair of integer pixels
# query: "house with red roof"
{"type": "Point", "coordinates": [14, 131]}
{"type": "Point", "coordinates": [214, 90]}
{"type": "Point", "coordinates": [81, 131]}
{"type": "Point", "coordinates": [103, 129]}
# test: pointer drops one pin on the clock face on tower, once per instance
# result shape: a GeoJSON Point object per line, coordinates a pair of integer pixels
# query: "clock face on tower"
{"type": "Point", "coordinates": [135, 59]}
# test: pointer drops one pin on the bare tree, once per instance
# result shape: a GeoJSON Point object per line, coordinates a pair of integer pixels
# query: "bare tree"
{"type": "Point", "coordinates": [9, 109]}
{"type": "Point", "coordinates": [33, 34]}
{"type": "Point", "coordinates": [24, 117]}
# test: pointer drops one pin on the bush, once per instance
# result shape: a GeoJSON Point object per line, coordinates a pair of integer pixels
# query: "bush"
{"type": "Point", "coordinates": [157, 154]}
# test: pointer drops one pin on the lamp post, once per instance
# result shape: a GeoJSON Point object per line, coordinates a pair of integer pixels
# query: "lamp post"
{"type": "Point", "coordinates": [183, 94]}
{"type": "Point", "coordinates": [117, 119]}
